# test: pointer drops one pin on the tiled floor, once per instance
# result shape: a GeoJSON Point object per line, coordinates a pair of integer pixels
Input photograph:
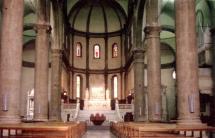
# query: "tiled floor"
{"type": "Point", "coordinates": [98, 134]}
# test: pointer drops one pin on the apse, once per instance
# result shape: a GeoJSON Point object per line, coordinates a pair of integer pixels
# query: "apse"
{"type": "Point", "coordinates": [97, 31]}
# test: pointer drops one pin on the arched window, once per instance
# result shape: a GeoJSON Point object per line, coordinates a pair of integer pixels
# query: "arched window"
{"type": "Point", "coordinates": [115, 86]}
{"type": "Point", "coordinates": [114, 50]}
{"type": "Point", "coordinates": [78, 49]}
{"type": "Point", "coordinates": [96, 50]}
{"type": "Point", "coordinates": [78, 86]}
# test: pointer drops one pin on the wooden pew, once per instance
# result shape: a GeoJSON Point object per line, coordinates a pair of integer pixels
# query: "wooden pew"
{"type": "Point", "coordinates": [44, 130]}
{"type": "Point", "coordinates": [138, 130]}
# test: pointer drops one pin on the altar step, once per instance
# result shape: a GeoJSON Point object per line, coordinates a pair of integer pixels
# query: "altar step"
{"type": "Point", "coordinates": [102, 127]}
{"type": "Point", "coordinates": [84, 115]}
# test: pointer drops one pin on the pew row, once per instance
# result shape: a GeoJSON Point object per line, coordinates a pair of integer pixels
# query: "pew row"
{"type": "Point", "coordinates": [43, 130]}
{"type": "Point", "coordinates": [156, 130]}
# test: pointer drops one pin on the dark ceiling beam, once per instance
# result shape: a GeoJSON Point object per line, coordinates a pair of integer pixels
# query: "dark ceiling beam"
{"type": "Point", "coordinates": [105, 18]}
{"type": "Point", "coordinates": [118, 6]}
{"type": "Point", "coordinates": [79, 5]}
{"type": "Point", "coordinates": [97, 35]}
{"type": "Point", "coordinates": [130, 14]}
{"type": "Point", "coordinates": [211, 9]}
{"type": "Point", "coordinates": [114, 6]}
{"type": "Point", "coordinates": [141, 7]}
{"type": "Point", "coordinates": [88, 19]}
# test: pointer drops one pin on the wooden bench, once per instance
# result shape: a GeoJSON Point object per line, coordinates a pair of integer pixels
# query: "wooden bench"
{"type": "Point", "coordinates": [43, 130]}
{"type": "Point", "coordinates": [138, 130]}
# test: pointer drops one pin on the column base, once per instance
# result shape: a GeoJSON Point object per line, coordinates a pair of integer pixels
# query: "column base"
{"type": "Point", "coordinates": [190, 122]}
{"type": "Point", "coordinates": [10, 119]}
{"type": "Point", "coordinates": [40, 119]}
{"type": "Point", "coordinates": [155, 120]}
{"type": "Point", "coordinates": [55, 119]}
{"type": "Point", "coordinates": [140, 119]}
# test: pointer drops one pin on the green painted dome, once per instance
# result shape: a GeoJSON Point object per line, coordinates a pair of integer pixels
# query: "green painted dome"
{"type": "Point", "coordinates": [97, 16]}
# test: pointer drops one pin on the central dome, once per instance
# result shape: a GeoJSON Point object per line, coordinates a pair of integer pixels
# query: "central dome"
{"type": "Point", "coordinates": [97, 16]}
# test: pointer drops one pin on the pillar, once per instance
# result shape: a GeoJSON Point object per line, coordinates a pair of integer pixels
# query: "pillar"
{"type": "Point", "coordinates": [55, 103]}
{"type": "Point", "coordinates": [188, 103]}
{"type": "Point", "coordinates": [41, 63]}
{"type": "Point", "coordinates": [152, 31]}
{"type": "Point", "coordinates": [212, 104]}
{"type": "Point", "coordinates": [41, 73]}
{"type": "Point", "coordinates": [139, 99]}
{"type": "Point", "coordinates": [11, 60]}
{"type": "Point", "coordinates": [153, 72]}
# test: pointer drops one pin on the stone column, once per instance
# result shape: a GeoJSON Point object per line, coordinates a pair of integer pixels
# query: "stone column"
{"type": "Point", "coordinates": [139, 96]}
{"type": "Point", "coordinates": [212, 104]}
{"type": "Point", "coordinates": [11, 60]}
{"type": "Point", "coordinates": [41, 73]}
{"type": "Point", "coordinates": [153, 72]}
{"type": "Point", "coordinates": [187, 64]}
{"type": "Point", "coordinates": [55, 103]}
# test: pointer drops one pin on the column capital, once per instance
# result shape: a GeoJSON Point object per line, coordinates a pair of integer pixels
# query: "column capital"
{"type": "Point", "coordinates": [152, 31]}
{"type": "Point", "coordinates": [59, 51]}
{"type": "Point", "coordinates": [138, 54]}
{"type": "Point", "coordinates": [44, 26]}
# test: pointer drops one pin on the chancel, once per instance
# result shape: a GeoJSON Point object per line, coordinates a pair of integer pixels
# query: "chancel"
{"type": "Point", "coordinates": [115, 68]}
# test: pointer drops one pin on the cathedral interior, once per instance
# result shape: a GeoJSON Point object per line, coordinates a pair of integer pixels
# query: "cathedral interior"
{"type": "Point", "coordinates": [106, 63]}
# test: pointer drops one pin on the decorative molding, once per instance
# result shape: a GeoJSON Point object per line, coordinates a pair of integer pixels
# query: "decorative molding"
{"type": "Point", "coordinates": [152, 31]}
{"type": "Point", "coordinates": [96, 35]}
{"type": "Point", "coordinates": [29, 64]}
{"type": "Point", "coordinates": [46, 27]}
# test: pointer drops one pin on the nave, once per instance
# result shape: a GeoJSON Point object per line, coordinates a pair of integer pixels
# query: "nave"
{"type": "Point", "coordinates": [98, 134]}
{"type": "Point", "coordinates": [66, 65]}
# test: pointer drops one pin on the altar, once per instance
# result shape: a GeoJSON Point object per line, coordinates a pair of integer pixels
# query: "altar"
{"type": "Point", "coordinates": [97, 105]}
{"type": "Point", "coordinates": [97, 99]}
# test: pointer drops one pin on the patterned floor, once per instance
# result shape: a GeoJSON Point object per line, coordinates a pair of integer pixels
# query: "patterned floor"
{"type": "Point", "coordinates": [98, 134]}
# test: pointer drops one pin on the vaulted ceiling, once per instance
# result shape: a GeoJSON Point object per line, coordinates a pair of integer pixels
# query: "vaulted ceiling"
{"type": "Point", "coordinates": [204, 8]}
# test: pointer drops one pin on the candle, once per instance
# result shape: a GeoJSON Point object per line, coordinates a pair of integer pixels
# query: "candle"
{"type": "Point", "coordinates": [157, 108]}
{"type": "Point", "coordinates": [140, 111]}
{"type": "Point", "coordinates": [5, 103]}
{"type": "Point", "coordinates": [191, 103]}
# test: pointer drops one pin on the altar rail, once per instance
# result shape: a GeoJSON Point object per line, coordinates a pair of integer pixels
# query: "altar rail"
{"type": "Point", "coordinates": [43, 130]}
{"type": "Point", "coordinates": [141, 130]}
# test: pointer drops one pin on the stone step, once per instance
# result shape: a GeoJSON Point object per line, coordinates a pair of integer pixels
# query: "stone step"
{"type": "Point", "coordinates": [84, 115]}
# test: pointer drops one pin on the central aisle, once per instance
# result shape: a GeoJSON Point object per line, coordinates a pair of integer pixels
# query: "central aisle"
{"type": "Point", "coordinates": [98, 134]}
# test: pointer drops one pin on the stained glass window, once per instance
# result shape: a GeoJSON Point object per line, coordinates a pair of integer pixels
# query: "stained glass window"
{"type": "Point", "coordinates": [114, 50]}
{"type": "Point", "coordinates": [78, 49]}
{"type": "Point", "coordinates": [96, 51]}
{"type": "Point", "coordinates": [115, 86]}
{"type": "Point", "coordinates": [78, 86]}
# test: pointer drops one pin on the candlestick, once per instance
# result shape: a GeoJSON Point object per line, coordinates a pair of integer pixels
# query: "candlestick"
{"type": "Point", "coordinates": [5, 102]}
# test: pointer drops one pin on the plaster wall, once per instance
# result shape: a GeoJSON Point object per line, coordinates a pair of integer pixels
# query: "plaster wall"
{"type": "Point", "coordinates": [93, 62]}
{"type": "Point", "coordinates": [114, 62]}
{"type": "Point", "coordinates": [79, 62]}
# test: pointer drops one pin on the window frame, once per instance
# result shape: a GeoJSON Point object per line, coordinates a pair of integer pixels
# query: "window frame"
{"type": "Point", "coordinates": [113, 51]}
{"type": "Point", "coordinates": [77, 49]}
{"type": "Point", "coordinates": [99, 49]}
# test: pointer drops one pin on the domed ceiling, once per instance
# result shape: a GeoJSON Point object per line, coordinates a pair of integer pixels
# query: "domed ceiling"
{"type": "Point", "coordinates": [99, 8]}
{"type": "Point", "coordinates": [97, 16]}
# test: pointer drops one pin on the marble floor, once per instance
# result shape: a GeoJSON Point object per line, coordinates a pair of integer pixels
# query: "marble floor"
{"type": "Point", "coordinates": [98, 134]}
